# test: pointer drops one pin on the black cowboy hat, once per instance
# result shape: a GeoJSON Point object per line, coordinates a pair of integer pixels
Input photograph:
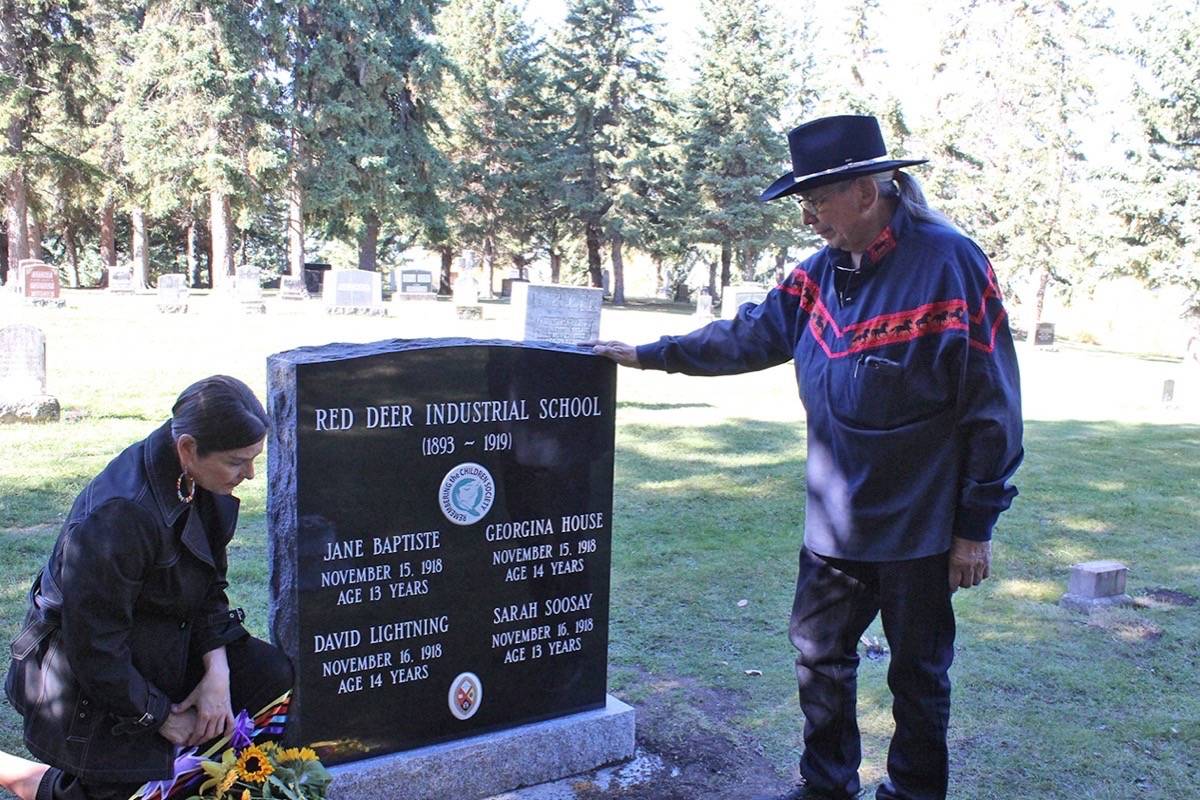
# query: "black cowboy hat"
{"type": "Point", "coordinates": [833, 149]}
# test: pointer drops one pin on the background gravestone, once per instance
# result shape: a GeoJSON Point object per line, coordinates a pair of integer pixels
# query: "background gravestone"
{"type": "Point", "coordinates": [173, 293]}
{"type": "Point", "coordinates": [416, 284]}
{"type": "Point", "coordinates": [466, 297]}
{"type": "Point", "coordinates": [249, 291]}
{"type": "Point", "coordinates": [353, 291]}
{"type": "Point", "coordinates": [1043, 335]}
{"type": "Point", "coordinates": [42, 287]}
{"type": "Point", "coordinates": [293, 288]}
{"type": "Point", "coordinates": [554, 313]}
{"type": "Point", "coordinates": [440, 526]}
{"type": "Point", "coordinates": [734, 297]}
{"type": "Point", "coordinates": [704, 306]}
{"type": "Point", "coordinates": [120, 280]}
{"type": "Point", "coordinates": [23, 395]}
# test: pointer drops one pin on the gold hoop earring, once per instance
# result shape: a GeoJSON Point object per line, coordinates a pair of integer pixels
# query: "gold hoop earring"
{"type": "Point", "coordinates": [179, 488]}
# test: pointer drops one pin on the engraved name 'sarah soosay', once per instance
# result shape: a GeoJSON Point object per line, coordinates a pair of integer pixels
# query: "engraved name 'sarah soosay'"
{"type": "Point", "coordinates": [454, 513]}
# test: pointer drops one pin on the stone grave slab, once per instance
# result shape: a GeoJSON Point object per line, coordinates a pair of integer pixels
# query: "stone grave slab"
{"type": "Point", "coordinates": [248, 290]}
{"type": "Point", "coordinates": [466, 297]}
{"type": "Point", "coordinates": [1096, 584]}
{"type": "Point", "coordinates": [555, 313]}
{"type": "Point", "coordinates": [293, 288]}
{"type": "Point", "coordinates": [353, 291]}
{"type": "Point", "coordinates": [1043, 335]}
{"type": "Point", "coordinates": [120, 280]}
{"type": "Point", "coordinates": [508, 285]}
{"type": "Point", "coordinates": [440, 546]}
{"type": "Point", "coordinates": [173, 293]}
{"type": "Point", "coordinates": [734, 297]}
{"type": "Point", "coordinates": [23, 395]}
{"type": "Point", "coordinates": [41, 286]}
{"type": "Point", "coordinates": [704, 306]}
{"type": "Point", "coordinates": [416, 284]}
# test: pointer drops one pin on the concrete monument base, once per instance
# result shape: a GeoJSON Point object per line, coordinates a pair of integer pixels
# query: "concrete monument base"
{"type": "Point", "coordinates": [482, 766]}
{"type": "Point", "coordinates": [43, 408]}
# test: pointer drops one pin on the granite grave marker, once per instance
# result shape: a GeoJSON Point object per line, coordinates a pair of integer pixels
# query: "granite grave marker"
{"type": "Point", "coordinates": [248, 290]}
{"type": "Point", "coordinates": [173, 293]}
{"type": "Point", "coordinates": [42, 287]}
{"type": "Point", "coordinates": [23, 395]}
{"type": "Point", "coordinates": [734, 297]}
{"type": "Point", "coordinates": [554, 313]}
{"type": "Point", "coordinates": [440, 531]}
{"type": "Point", "coordinates": [120, 280]}
{"type": "Point", "coordinates": [353, 291]}
{"type": "Point", "coordinates": [292, 287]}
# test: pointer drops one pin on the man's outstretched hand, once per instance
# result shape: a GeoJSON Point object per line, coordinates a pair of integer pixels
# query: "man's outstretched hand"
{"type": "Point", "coordinates": [623, 354]}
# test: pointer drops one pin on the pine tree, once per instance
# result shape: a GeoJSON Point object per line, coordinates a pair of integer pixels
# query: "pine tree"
{"type": "Point", "coordinates": [735, 147]}
{"type": "Point", "coordinates": [1008, 160]}
{"type": "Point", "coordinates": [495, 127]}
{"type": "Point", "coordinates": [1159, 200]}
{"type": "Point", "coordinates": [608, 77]}
{"type": "Point", "coordinates": [366, 90]}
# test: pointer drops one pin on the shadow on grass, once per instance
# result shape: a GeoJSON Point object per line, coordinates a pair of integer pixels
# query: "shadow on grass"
{"type": "Point", "coordinates": [661, 406]}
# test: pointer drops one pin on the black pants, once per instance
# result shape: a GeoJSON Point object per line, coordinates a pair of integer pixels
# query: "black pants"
{"type": "Point", "coordinates": [835, 602]}
{"type": "Point", "coordinates": [258, 673]}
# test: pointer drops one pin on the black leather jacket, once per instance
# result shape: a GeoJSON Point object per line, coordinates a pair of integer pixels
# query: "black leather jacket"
{"type": "Point", "coordinates": [132, 596]}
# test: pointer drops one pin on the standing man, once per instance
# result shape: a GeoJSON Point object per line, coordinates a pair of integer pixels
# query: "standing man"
{"type": "Point", "coordinates": [909, 381]}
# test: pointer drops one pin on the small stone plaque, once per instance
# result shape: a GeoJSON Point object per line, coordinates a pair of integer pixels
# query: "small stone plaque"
{"type": "Point", "coordinates": [353, 291]}
{"type": "Point", "coordinates": [120, 280]}
{"type": "Point", "coordinates": [1096, 584]}
{"type": "Point", "coordinates": [734, 297]}
{"type": "Point", "coordinates": [553, 313]}
{"type": "Point", "coordinates": [440, 538]}
{"type": "Point", "coordinates": [173, 293]}
{"type": "Point", "coordinates": [1044, 335]}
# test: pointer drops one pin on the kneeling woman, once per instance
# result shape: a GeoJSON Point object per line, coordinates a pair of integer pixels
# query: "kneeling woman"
{"type": "Point", "coordinates": [130, 650]}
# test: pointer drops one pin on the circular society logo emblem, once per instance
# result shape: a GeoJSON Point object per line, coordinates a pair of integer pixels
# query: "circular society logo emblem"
{"type": "Point", "coordinates": [467, 493]}
{"type": "Point", "coordinates": [466, 695]}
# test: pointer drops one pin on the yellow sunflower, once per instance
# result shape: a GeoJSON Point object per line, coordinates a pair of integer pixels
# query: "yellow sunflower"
{"type": "Point", "coordinates": [227, 782]}
{"type": "Point", "coordinates": [253, 764]}
{"type": "Point", "coordinates": [307, 754]}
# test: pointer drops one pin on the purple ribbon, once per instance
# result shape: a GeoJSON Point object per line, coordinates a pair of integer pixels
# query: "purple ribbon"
{"type": "Point", "coordinates": [186, 764]}
{"type": "Point", "coordinates": [243, 729]}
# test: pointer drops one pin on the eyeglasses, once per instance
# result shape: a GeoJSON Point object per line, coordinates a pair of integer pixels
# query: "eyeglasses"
{"type": "Point", "coordinates": [814, 205]}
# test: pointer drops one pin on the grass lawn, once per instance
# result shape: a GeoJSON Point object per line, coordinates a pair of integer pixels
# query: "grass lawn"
{"type": "Point", "coordinates": [708, 510]}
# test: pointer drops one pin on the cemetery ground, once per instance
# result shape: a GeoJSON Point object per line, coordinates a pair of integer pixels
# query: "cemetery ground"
{"type": "Point", "coordinates": [708, 510]}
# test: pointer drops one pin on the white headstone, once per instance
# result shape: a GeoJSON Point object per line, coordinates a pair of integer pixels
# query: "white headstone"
{"type": "Point", "coordinates": [249, 291]}
{"type": "Point", "coordinates": [353, 291]}
{"type": "Point", "coordinates": [120, 280]}
{"type": "Point", "coordinates": [23, 395]}
{"type": "Point", "coordinates": [173, 293]}
{"type": "Point", "coordinates": [704, 305]}
{"type": "Point", "coordinates": [552, 313]}
{"type": "Point", "coordinates": [466, 296]}
{"type": "Point", "coordinates": [734, 297]}
{"type": "Point", "coordinates": [22, 361]}
{"type": "Point", "coordinates": [292, 288]}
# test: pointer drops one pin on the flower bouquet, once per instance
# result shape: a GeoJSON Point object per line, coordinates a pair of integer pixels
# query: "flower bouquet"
{"type": "Point", "coordinates": [238, 768]}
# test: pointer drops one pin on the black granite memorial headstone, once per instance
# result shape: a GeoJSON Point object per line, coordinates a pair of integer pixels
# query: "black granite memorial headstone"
{"type": "Point", "coordinates": [440, 515]}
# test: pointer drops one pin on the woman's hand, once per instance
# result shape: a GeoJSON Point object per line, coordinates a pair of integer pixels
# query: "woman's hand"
{"type": "Point", "coordinates": [209, 701]}
{"type": "Point", "coordinates": [178, 728]}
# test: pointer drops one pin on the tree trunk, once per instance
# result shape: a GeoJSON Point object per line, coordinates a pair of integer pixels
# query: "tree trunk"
{"type": "Point", "coordinates": [749, 261]}
{"type": "Point", "coordinates": [108, 240]}
{"type": "Point", "coordinates": [780, 263]}
{"type": "Point", "coordinates": [658, 275]}
{"type": "Point", "coordinates": [592, 237]}
{"type": "Point", "coordinates": [18, 222]}
{"type": "Point", "coordinates": [712, 279]}
{"type": "Point", "coordinates": [189, 251]}
{"type": "Point", "coordinates": [220, 223]}
{"type": "Point", "coordinates": [295, 219]}
{"type": "Point", "coordinates": [72, 253]}
{"type": "Point", "coordinates": [1038, 303]}
{"type": "Point", "coordinates": [140, 246]}
{"type": "Point", "coordinates": [489, 261]}
{"type": "Point", "coordinates": [4, 252]}
{"type": "Point", "coordinates": [35, 236]}
{"type": "Point", "coordinates": [618, 261]}
{"type": "Point", "coordinates": [368, 243]}
{"type": "Point", "coordinates": [444, 284]}
{"type": "Point", "coordinates": [555, 266]}
{"type": "Point", "coordinates": [726, 259]}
